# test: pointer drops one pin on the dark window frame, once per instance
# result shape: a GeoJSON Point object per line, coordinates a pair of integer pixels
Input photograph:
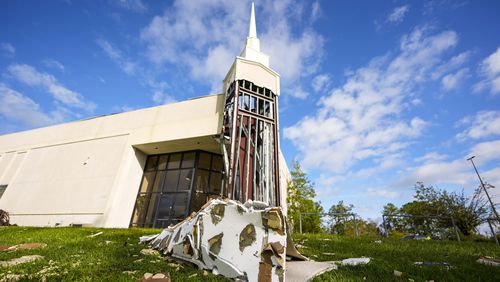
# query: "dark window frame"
{"type": "Point", "coordinates": [142, 220]}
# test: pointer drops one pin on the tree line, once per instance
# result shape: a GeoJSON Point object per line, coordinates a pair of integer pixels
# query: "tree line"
{"type": "Point", "coordinates": [431, 211]}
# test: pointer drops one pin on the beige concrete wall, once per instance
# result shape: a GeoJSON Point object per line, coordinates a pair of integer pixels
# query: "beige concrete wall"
{"type": "Point", "coordinates": [252, 71]}
{"type": "Point", "coordinates": [88, 172]}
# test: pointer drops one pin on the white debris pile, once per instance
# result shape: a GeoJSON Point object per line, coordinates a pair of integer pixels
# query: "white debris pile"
{"type": "Point", "coordinates": [247, 242]}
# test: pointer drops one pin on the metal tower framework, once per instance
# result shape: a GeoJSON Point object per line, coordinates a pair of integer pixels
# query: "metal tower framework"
{"type": "Point", "coordinates": [250, 143]}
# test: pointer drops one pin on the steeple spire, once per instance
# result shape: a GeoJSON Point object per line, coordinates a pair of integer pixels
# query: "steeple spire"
{"type": "Point", "coordinates": [252, 30]}
{"type": "Point", "coordinates": [252, 44]}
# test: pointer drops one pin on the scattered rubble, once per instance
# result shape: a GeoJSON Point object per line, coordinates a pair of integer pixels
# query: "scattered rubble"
{"type": "Point", "coordinates": [355, 261]}
{"type": "Point", "coordinates": [158, 277]}
{"type": "Point", "coordinates": [150, 252]}
{"type": "Point", "coordinates": [10, 277]}
{"type": "Point", "coordinates": [431, 263]}
{"type": "Point", "coordinates": [96, 234]}
{"type": "Point", "coordinates": [4, 218]}
{"type": "Point", "coordinates": [243, 242]}
{"type": "Point", "coordinates": [489, 261]}
{"type": "Point", "coordinates": [21, 260]}
{"type": "Point", "coordinates": [306, 270]}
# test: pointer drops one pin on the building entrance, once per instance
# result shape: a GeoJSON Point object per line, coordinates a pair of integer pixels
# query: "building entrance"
{"type": "Point", "coordinates": [174, 185]}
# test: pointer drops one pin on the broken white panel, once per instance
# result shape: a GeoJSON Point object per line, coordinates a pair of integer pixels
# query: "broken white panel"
{"type": "Point", "coordinates": [237, 241]}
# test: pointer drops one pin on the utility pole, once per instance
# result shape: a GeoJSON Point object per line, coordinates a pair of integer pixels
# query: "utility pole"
{"type": "Point", "coordinates": [484, 189]}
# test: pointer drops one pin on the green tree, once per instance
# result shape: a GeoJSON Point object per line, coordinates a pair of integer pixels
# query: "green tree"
{"type": "Point", "coordinates": [301, 199]}
{"type": "Point", "coordinates": [468, 212]}
{"type": "Point", "coordinates": [340, 215]}
{"type": "Point", "coordinates": [392, 223]}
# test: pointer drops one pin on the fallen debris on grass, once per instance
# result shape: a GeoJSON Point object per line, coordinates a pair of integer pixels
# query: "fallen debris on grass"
{"type": "Point", "coordinates": [21, 260]}
{"type": "Point", "coordinates": [248, 242]}
{"type": "Point", "coordinates": [10, 277]}
{"type": "Point", "coordinates": [489, 261]}
{"type": "Point", "coordinates": [306, 270]}
{"type": "Point", "coordinates": [158, 277]}
{"type": "Point", "coordinates": [432, 263]}
{"type": "Point", "coordinates": [150, 252]}
{"type": "Point", "coordinates": [96, 234]}
{"type": "Point", "coordinates": [355, 261]}
{"type": "Point", "coordinates": [397, 273]}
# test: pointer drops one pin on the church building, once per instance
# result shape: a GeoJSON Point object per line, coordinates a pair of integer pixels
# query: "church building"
{"type": "Point", "coordinates": [152, 167]}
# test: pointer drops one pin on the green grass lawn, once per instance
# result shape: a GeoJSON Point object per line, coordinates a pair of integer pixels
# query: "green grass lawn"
{"type": "Point", "coordinates": [71, 255]}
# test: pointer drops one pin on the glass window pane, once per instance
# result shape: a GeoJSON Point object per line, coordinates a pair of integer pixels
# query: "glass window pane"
{"type": "Point", "coordinates": [201, 184]}
{"type": "Point", "coordinates": [215, 182]}
{"type": "Point", "coordinates": [261, 107]}
{"type": "Point", "coordinates": [139, 208]}
{"type": "Point", "coordinates": [188, 160]}
{"type": "Point", "coordinates": [253, 104]}
{"type": "Point", "coordinates": [158, 181]}
{"type": "Point", "coordinates": [246, 104]}
{"type": "Point", "coordinates": [162, 162]}
{"type": "Point", "coordinates": [174, 161]}
{"type": "Point", "coordinates": [165, 206]}
{"type": "Point", "coordinates": [147, 181]}
{"type": "Point", "coordinates": [240, 101]}
{"type": "Point", "coordinates": [204, 161]}
{"type": "Point", "coordinates": [151, 208]}
{"type": "Point", "coordinates": [186, 175]}
{"type": "Point", "coordinates": [217, 164]}
{"type": "Point", "coordinates": [152, 163]}
{"type": "Point", "coordinates": [180, 205]}
{"type": "Point", "coordinates": [171, 181]}
{"type": "Point", "coordinates": [267, 108]}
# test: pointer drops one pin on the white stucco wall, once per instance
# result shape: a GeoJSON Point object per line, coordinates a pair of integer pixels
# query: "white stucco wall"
{"type": "Point", "coordinates": [89, 171]}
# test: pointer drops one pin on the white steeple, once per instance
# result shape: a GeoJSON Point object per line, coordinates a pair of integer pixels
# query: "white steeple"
{"type": "Point", "coordinates": [251, 51]}
{"type": "Point", "coordinates": [252, 30]}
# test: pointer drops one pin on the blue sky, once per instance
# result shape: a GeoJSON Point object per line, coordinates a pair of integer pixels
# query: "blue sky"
{"type": "Point", "coordinates": [376, 95]}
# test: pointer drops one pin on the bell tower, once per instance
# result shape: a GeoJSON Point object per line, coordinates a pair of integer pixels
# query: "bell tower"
{"type": "Point", "coordinates": [249, 139]}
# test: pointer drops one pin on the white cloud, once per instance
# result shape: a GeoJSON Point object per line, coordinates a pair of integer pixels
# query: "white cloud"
{"type": "Point", "coordinates": [7, 48]}
{"type": "Point", "coordinates": [452, 64]}
{"type": "Point", "coordinates": [202, 43]}
{"type": "Point", "coordinates": [18, 108]}
{"type": "Point", "coordinates": [362, 119]}
{"type": "Point", "coordinates": [384, 193]}
{"type": "Point", "coordinates": [160, 97]}
{"type": "Point", "coordinates": [453, 80]}
{"type": "Point", "coordinates": [51, 63]}
{"type": "Point", "coordinates": [483, 124]}
{"type": "Point", "coordinates": [458, 171]}
{"type": "Point", "coordinates": [320, 82]}
{"type": "Point", "coordinates": [132, 68]}
{"type": "Point", "coordinates": [490, 71]}
{"type": "Point", "coordinates": [486, 151]}
{"type": "Point", "coordinates": [397, 15]}
{"type": "Point", "coordinates": [132, 5]}
{"type": "Point", "coordinates": [113, 53]}
{"type": "Point", "coordinates": [431, 157]}
{"type": "Point", "coordinates": [30, 76]}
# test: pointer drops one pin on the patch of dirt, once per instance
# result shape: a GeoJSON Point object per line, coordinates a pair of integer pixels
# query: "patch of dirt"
{"type": "Point", "coordinates": [28, 246]}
